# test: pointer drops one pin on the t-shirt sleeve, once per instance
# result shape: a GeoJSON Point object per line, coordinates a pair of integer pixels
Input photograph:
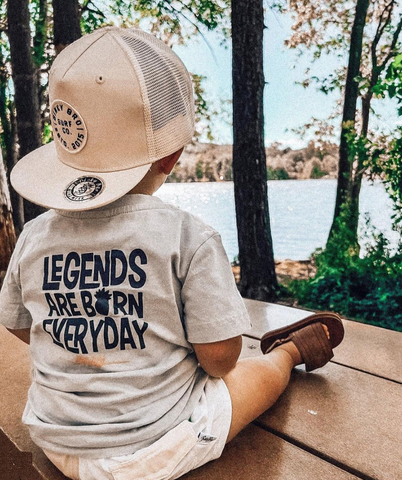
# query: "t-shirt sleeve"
{"type": "Point", "coordinates": [213, 307]}
{"type": "Point", "coordinates": [13, 314]}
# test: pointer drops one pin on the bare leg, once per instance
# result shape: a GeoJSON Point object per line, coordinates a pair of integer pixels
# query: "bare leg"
{"type": "Point", "coordinates": [255, 384]}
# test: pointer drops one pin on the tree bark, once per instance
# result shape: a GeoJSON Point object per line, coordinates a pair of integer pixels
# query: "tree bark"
{"type": "Point", "coordinates": [7, 232]}
{"type": "Point", "coordinates": [346, 190]}
{"type": "Point", "coordinates": [25, 86]}
{"type": "Point", "coordinates": [39, 39]}
{"type": "Point", "coordinates": [9, 140]}
{"type": "Point", "coordinates": [66, 23]}
{"type": "Point", "coordinates": [256, 258]}
{"type": "Point", "coordinates": [40, 57]}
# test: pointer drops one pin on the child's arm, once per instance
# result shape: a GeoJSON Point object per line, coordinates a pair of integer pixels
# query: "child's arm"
{"type": "Point", "coordinates": [22, 333]}
{"type": "Point", "coordinates": [218, 358]}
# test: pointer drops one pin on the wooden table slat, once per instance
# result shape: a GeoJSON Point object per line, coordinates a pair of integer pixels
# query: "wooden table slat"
{"type": "Point", "coordinates": [367, 348]}
{"type": "Point", "coordinates": [346, 415]}
{"type": "Point", "coordinates": [374, 350]}
{"type": "Point", "coordinates": [258, 455]}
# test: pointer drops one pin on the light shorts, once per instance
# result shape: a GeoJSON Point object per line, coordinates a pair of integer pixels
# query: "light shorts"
{"type": "Point", "coordinates": [188, 446]}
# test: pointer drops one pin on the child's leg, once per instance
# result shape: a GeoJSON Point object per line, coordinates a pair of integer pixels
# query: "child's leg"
{"type": "Point", "coordinates": [256, 383]}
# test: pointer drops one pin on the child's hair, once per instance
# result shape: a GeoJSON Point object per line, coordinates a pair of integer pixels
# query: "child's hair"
{"type": "Point", "coordinates": [120, 99]}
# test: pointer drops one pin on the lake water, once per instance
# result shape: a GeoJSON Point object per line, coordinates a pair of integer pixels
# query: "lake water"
{"type": "Point", "coordinates": [301, 212]}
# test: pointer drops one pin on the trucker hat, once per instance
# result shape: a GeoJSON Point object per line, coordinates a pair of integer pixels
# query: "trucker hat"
{"type": "Point", "coordinates": [120, 99]}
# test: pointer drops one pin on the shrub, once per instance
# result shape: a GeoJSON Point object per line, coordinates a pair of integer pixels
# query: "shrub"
{"type": "Point", "coordinates": [367, 289]}
{"type": "Point", "coordinates": [277, 174]}
{"type": "Point", "coordinates": [199, 171]}
{"type": "Point", "coordinates": [317, 172]}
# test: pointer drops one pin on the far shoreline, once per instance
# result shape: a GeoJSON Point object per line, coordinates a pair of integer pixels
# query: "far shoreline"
{"type": "Point", "coordinates": [287, 270]}
{"type": "Point", "coordinates": [209, 162]}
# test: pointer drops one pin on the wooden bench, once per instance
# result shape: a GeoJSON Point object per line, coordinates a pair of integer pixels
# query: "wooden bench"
{"type": "Point", "coordinates": [341, 422]}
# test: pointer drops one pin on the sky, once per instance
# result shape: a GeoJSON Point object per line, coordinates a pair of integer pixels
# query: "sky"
{"type": "Point", "coordinates": [286, 104]}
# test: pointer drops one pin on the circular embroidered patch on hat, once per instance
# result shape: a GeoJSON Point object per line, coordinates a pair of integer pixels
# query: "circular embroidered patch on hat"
{"type": "Point", "coordinates": [83, 189]}
{"type": "Point", "coordinates": [68, 126]}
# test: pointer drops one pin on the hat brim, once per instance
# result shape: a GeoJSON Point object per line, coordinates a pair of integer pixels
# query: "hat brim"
{"type": "Point", "coordinates": [42, 179]}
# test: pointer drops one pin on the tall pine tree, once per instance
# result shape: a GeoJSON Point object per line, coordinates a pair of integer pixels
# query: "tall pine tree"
{"type": "Point", "coordinates": [256, 258]}
{"type": "Point", "coordinates": [66, 23]}
{"type": "Point", "coordinates": [25, 85]}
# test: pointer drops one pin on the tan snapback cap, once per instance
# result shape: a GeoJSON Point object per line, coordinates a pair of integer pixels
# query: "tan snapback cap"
{"type": "Point", "coordinates": [120, 99]}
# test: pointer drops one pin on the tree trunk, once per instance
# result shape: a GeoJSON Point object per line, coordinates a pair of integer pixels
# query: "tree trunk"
{"type": "Point", "coordinates": [258, 278]}
{"type": "Point", "coordinates": [25, 86]}
{"type": "Point", "coordinates": [346, 200]}
{"type": "Point", "coordinates": [7, 232]}
{"type": "Point", "coordinates": [9, 139]}
{"type": "Point", "coordinates": [39, 40]}
{"type": "Point", "coordinates": [17, 201]}
{"type": "Point", "coordinates": [66, 23]}
{"type": "Point", "coordinates": [40, 60]}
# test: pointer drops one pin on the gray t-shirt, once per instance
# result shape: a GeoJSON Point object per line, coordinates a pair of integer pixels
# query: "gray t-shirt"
{"type": "Point", "coordinates": [114, 298]}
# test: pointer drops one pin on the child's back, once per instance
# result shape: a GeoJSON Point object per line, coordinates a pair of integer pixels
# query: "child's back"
{"type": "Point", "coordinates": [123, 292]}
{"type": "Point", "coordinates": [130, 305]}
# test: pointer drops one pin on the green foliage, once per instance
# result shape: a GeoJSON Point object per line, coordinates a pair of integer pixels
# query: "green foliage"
{"type": "Point", "coordinates": [391, 85]}
{"type": "Point", "coordinates": [175, 21]}
{"type": "Point", "coordinates": [47, 134]}
{"type": "Point", "coordinates": [368, 289]}
{"type": "Point", "coordinates": [358, 145]}
{"type": "Point", "coordinates": [386, 160]}
{"type": "Point", "coordinates": [387, 163]}
{"type": "Point", "coordinates": [277, 174]}
{"type": "Point", "coordinates": [202, 111]}
{"type": "Point", "coordinates": [92, 16]}
{"type": "Point", "coordinates": [40, 38]}
{"type": "Point", "coordinates": [199, 172]}
{"type": "Point", "coordinates": [205, 12]}
{"type": "Point", "coordinates": [317, 172]}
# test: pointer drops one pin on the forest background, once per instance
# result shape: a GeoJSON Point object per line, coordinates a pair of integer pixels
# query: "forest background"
{"type": "Point", "coordinates": [364, 37]}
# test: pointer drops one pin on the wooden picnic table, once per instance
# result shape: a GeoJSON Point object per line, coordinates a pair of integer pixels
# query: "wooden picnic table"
{"type": "Point", "coordinates": [340, 422]}
{"type": "Point", "coordinates": [343, 421]}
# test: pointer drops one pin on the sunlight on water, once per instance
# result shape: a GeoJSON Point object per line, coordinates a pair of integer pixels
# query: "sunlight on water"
{"type": "Point", "coordinates": [300, 210]}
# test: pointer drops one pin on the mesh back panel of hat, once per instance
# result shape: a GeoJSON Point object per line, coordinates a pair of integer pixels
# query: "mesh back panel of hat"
{"type": "Point", "coordinates": [167, 93]}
